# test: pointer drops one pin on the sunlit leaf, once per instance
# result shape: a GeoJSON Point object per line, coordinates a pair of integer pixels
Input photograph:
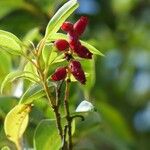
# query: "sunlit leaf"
{"type": "Point", "coordinates": [63, 36]}
{"type": "Point", "coordinates": [33, 93]}
{"type": "Point", "coordinates": [15, 75]}
{"type": "Point", "coordinates": [16, 122]}
{"type": "Point", "coordinates": [61, 15]}
{"type": "Point", "coordinates": [50, 56]}
{"type": "Point", "coordinates": [31, 71]}
{"type": "Point", "coordinates": [10, 43]}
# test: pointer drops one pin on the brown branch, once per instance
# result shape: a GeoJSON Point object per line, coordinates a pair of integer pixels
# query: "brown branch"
{"type": "Point", "coordinates": [68, 117]}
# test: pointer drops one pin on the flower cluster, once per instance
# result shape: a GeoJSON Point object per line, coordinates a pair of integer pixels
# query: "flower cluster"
{"type": "Point", "coordinates": [71, 47]}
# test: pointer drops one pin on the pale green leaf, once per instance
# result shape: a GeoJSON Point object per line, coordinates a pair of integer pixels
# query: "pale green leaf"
{"type": "Point", "coordinates": [63, 36]}
{"type": "Point", "coordinates": [31, 71]}
{"type": "Point", "coordinates": [61, 15]}
{"type": "Point", "coordinates": [50, 55]}
{"type": "Point", "coordinates": [33, 93]}
{"type": "Point", "coordinates": [16, 122]}
{"type": "Point", "coordinates": [15, 75]}
{"type": "Point", "coordinates": [10, 43]}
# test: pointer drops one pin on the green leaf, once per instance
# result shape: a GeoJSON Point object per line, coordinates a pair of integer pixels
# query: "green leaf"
{"type": "Point", "coordinates": [116, 122]}
{"type": "Point", "coordinates": [46, 136]}
{"type": "Point", "coordinates": [31, 71]}
{"type": "Point", "coordinates": [31, 36]}
{"type": "Point", "coordinates": [89, 68]}
{"type": "Point", "coordinates": [16, 122]}
{"type": "Point", "coordinates": [61, 15]}
{"type": "Point", "coordinates": [33, 93]}
{"type": "Point", "coordinates": [15, 75]}
{"type": "Point", "coordinates": [10, 43]}
{"type": "Point", "coordinates": [50, 56]}
{"type": "Point", "coordinates": [5, 148]}
{"type": "Point", "coordinates": [63, 36]}
{"type": "Point", "coordinates": [7, 103]}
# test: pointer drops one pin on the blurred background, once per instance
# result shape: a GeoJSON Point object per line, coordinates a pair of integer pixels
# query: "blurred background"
{"type": "Point", "coordinates": [120, 83]}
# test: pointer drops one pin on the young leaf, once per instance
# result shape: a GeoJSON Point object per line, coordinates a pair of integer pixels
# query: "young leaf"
{"type": "Point", "coordinates": [63, 36]}
{"type": "Point", "coordinates": [85, 106]}
{"type": "Point", "coordinates": [61, 15]}
{"type": "Point", "coordinates": [46, 136]}
{"type": "Point", "coordinates": [10, 43]}
{"type": "Point", "coordinates": [16, 122]}
{"type": "Point", "coordinates": [15, 75]}
{"type": "Point", "coordinates": [34, 92]}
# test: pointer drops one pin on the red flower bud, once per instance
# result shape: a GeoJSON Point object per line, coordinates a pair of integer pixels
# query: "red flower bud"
{"type": "Point", "coordinates": [67, 26]}
{"type": "Point", "coordinates": [80, 25]}
{"type": "Point", "coordinates": [73, 40]}
{"type": "Point", "coordinates": [61, 44]}
{"type": "Point", "coordinates": [77, 71]}
{"type": "Point", "coordinates": [59, 74]}
{"type": "Point", "coordinates": [83, 52]}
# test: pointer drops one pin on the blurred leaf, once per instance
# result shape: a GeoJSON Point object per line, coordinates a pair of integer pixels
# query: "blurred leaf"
{"type": "Point", "coordinates": [46, 136]}
{"type": "Point", "coordinates": [61, 15]}
{"type": "Point", "coordinates": [116, 122]}
{"type": "Point", "coordinates": [85, 106]}
{"type": "Point", "coordinates": [8, 5]}
{"type": "Point", "coordinates": [34, 92]}
{"type": "Point", "coordinates": [10, 43]}
{"type": "Point", "coordinates": [5, 148]}
{"type": "Point", "coordinates": [31, 36]}
{"type": "Point", "coordinates": [16, 122]}
{"type": "Point", "coordinates": [89, 68]}
{"type": "Point", "coordinates": [6, 103]}
{"type": "Point", "coordinates": [63, 36]}
{"type": "Point", "coordinates": [15, 75]}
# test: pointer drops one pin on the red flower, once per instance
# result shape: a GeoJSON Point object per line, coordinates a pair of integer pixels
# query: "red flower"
{"type": "Point", "coordinates": [73, 40]}
{"type": "Point", "coordinates": [59, 74]}
{"type": "Point", "coordinates": [77, 71]}
{"type": "Point", "coordinates": [61, 44]}
{"type": "Point", "coordinates": [67, 26]}
{"type": "Point", "coordinates": [80, 25]}
{"type": "Point", "coordinates": [83, 52]}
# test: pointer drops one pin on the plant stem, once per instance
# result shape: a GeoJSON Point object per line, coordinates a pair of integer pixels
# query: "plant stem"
{"type": "Point", "coordinates": [48, 94]}
{"type": "Point", "coordinates": [68, 117]}
{"type": "Point", "coordinates": [18, 145]}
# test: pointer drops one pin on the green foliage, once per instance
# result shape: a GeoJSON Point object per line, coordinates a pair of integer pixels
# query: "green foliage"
{"type": "Point", "coordinates": [16, 75]}
{"type": "Point", "coordinates": [62, 14]}
{"type": "Point", "coordinates": [120, 30]}
{"type": "Point", "coordinates": [34, 92]}
{"type": "Point", "coordinates": [16, 122]}
{"type": "Point", "coordinates": [10, 43]}
{"type": "Point", "coordinates": [44, 139]}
